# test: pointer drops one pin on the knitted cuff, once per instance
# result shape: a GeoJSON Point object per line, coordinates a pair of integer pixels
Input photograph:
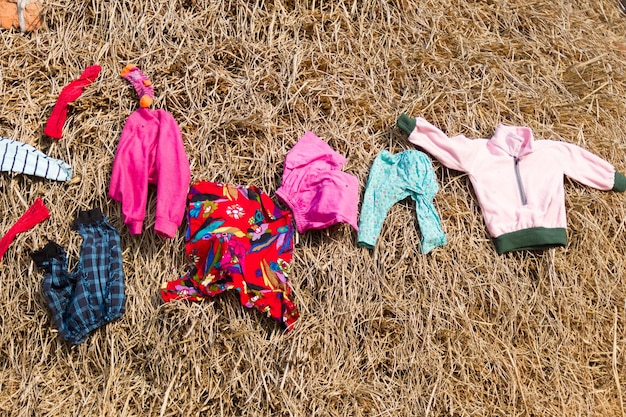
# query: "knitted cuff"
{"type": "Point", "coordinates": [620, 182]}
{"type": "Point", "coordinates": [134, 227]}
{"type": "Point", "coordinates": [50, 251]}
{"type": "Point", "coordinates": [88, 217]}
{"type": "Point", "coordinates": [406, 123]}
{"type": "Point", "coordinates": [165, 228]}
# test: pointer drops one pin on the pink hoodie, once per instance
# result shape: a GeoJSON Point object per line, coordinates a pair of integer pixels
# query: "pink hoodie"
{"type": "Point", "coordinates": [151, 151]}
{"type": "Point", "coordinates": [518, 181]}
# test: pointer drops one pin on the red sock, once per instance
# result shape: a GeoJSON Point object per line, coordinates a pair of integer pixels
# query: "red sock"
{"type": "Point", "coordinates": [35, 214]}
{"type": "Point", "coordinates": [54, 127]}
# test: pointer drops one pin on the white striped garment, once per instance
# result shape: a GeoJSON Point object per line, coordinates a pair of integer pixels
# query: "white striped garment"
{"type": "Point", "coordinates": [22, 158]}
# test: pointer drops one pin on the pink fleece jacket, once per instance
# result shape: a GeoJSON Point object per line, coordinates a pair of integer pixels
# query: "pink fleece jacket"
{"type": "Point", "coordinates": [518, 181]}
{"type": "Point", "coordinates": [151, 151]}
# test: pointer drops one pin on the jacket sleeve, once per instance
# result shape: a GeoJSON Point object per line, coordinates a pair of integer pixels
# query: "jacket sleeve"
{"type": "Point", "coordinates": [589, 169]}
{"type": "Point", "coordinates": [129, 176]}
{"type": "Point", "coordinates": [457, 152]}
{"type": "Point", "coordinates": [173, 171]}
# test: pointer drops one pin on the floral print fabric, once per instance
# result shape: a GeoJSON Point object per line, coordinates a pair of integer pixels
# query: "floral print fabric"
{"type": "Point", "coordinates": [237, 239]}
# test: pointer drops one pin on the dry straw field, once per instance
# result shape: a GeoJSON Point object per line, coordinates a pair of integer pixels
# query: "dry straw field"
{"type": "Point", "coordinates": [386, 332]}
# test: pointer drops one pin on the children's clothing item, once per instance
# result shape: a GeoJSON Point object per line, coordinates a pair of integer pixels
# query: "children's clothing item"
{"type": "Point", "coordinates": [22, 158]}
{"type": "Point", "coordinates": [22, 14]}
{"type": "Point", "coordinates": [93, 294]}
{"type": "Point", "coordinates": [54, 126]}
{"type": "Point", "coordinates": [151, 151]}
{"type": "Point", "coordinates": [237, 239]}
{"type": "Point", "coordinates": [141, 84]}
{"type": "Point", "coordinates": [393, 178]}
{"type": "Point", "coordinates": [518, 181]}
{"type": "Point", "coordinates": [314, 187]}
{"type": "Point", "coordinates": [35, 214]}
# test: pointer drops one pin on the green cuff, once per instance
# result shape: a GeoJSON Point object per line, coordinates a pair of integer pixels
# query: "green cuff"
{"type": "Point", "coordinates": [535, 238]}
{"type": "Point", "coordinates": [406, 123]}
{"type": "Point", "coordinates": [620, 182]}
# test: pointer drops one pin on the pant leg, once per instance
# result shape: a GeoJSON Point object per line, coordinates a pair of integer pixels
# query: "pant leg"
{"type": "Point", "coordinates": [115, 299]}
{"type": "Point", "coordinates": [99, 295]}
{"type": "Point", "coordinates": [265, 273]}
{"type": "Point", "coordinates": [382, 191]}
{"type": "Point", "coordinates": [420, 179]}
{"type": "Point", "coordinates": [57, 284]}
{"type": "Point", "coordinates": [430, 225]}
{"type": "Point", "coordinates": [204, 247]}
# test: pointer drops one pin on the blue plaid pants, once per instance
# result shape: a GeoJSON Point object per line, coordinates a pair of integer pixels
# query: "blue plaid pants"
{"type": "Point", "coordinates": [93, 294]}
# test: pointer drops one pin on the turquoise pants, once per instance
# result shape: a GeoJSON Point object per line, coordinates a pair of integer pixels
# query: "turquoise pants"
{"type": "Point", "coordinates": [393, 178]}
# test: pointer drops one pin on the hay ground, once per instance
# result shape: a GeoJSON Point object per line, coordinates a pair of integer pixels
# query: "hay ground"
{"type": "Point", "coordinates": [388, 332]}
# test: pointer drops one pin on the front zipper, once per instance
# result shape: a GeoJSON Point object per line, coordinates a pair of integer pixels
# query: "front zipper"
{"type": "Point", "coordinates": [520, 186]}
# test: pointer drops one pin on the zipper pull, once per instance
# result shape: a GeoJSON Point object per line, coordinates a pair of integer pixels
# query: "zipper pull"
{"type": "Point", "coordinates": [518, 177]}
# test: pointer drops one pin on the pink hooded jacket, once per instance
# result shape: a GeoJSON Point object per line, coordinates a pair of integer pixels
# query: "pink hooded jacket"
{"type": "Point", "coordinates": [151, 151]}
{"type": "Point", "coordinates": [518, 181]}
